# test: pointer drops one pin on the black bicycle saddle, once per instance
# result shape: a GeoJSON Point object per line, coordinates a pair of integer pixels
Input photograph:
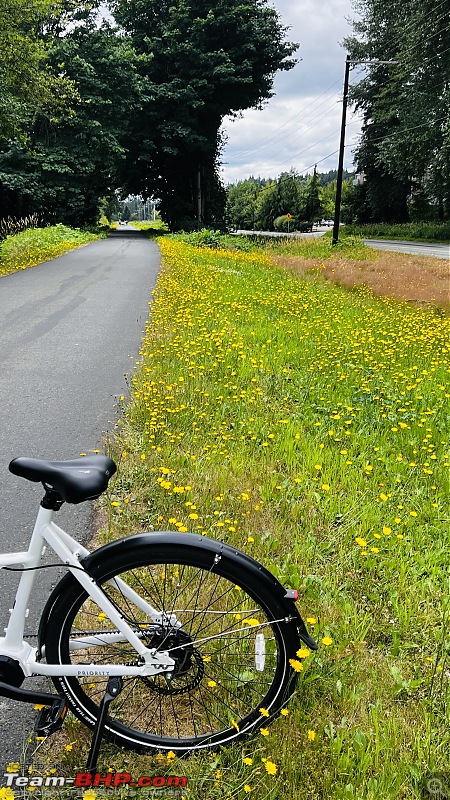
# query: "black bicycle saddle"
{"type": "Point", "coordinates": [76, 481]}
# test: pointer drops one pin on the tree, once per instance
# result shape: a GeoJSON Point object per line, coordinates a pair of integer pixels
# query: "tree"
{"type": "Point", "coordinates": [328, 198]}
{"type": "Point", "coordinates": [313, 204]}
{"type": "Point", "coordinates": [198, 61]}
{"type": "Point", "coordinates": [405, 145]}
{"type": "Point", "coordinates": [242, 204]}
{"type": "Point", "coordinates": [267, 207]}
{"type": "Point", "coordinates": [71, 160]}
{"type": "Point", "coordinates": [27, 81]}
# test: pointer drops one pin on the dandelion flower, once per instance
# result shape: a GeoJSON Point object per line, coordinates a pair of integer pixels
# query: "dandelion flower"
{"type": "Point", "coordinates": [327, 640]}
{"type": "Point", "coordinates": [360, 541]}
{"type": "Point", "coordinates": [6, 793]}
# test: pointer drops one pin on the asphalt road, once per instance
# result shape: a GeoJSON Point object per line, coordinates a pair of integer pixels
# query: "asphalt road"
{"type": "Point", "coordinates": [412, 248]}
{"type": "Point", "coordinates": [70, 333]}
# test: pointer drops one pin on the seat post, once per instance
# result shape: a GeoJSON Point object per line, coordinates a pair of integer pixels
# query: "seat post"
{"type": "Point", "coordinates": [52, 500]}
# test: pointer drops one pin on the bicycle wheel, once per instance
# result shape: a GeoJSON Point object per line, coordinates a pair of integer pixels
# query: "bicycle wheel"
{"type": "Point", "coordinates": [232, 640]}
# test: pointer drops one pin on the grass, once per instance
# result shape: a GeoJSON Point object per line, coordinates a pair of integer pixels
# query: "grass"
{"type": "Point", "coordinates": [308, 425]}
{"type": "Point", "coordinates": [152, 227]}
{"type": "Point", "coordinates": [308, 247]}
{"type": "Point", "coordinates": [35, 245]}
{"type": "Point", "coordinates": [422, 280]}
{"type": "Point", "coordinates": [411, 231]}
{"type": "Point", "coordinates": [321, 247]}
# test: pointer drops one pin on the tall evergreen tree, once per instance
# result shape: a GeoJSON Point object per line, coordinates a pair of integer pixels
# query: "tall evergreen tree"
{"type": "Point", "coordinates": [313, 205]}
{"type": "Point", "coordinates": [405, 145]}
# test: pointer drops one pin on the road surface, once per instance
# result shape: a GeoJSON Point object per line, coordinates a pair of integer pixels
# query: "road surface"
{"type": "Point", "coordinates": [412, 248]}
{"type": "Point", "coordinates": [70, 331]}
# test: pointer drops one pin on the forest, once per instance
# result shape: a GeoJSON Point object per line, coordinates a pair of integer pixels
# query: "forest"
{"type": "Point", "coordinates": [291, 202]}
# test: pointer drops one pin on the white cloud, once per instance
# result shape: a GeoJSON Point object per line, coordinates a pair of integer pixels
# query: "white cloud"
{"type": "Point", "coordinates": [300, 126]}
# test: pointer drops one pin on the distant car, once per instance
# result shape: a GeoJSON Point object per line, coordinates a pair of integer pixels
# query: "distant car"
{"type": "Point", "coordinates": [327, 223]}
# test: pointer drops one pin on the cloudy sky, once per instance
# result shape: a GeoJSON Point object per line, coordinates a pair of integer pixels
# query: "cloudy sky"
{"type": "Point", "coordinates": [300, 125]}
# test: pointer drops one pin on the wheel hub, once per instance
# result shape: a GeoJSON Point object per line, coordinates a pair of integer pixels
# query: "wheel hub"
{"type": "Point", "coordinates": [189, 667]}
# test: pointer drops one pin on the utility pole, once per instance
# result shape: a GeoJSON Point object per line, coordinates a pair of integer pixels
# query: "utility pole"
{"type": "Point", "coordinates": [199, 199]}
{"type": "Point", "coordinates": [337, 209]}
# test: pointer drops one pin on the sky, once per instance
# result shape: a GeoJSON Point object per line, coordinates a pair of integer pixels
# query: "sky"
{"type": "Point", "coordinates": [300, 125]}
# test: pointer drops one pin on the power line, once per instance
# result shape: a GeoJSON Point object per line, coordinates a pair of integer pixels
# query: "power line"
{"type": "Point", "coordinates": [302, 132]}
{"type": "Point", "coordinates": [275, 134]}
{"type": "Point", "coordinates": [297, 155]}
{"type": "Point", "coordinates": [404, 130]}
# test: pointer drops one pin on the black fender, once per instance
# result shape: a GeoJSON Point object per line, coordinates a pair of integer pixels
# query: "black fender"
{"type": "Point", "coordinates": [241, 564]}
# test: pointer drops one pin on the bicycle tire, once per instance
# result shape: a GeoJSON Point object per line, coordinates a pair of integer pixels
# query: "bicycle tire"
{"type": "Point", "coordinates": [216, 695]}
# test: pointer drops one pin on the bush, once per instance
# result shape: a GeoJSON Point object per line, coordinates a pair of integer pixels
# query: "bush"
{"type": "Point", "coordinates": [282, 225]}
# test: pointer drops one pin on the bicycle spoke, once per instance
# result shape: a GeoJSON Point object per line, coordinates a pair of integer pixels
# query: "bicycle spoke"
{"type": "Point", "coordinates": [209, 626]}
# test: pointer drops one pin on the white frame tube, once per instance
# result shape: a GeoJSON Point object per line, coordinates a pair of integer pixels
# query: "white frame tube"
{"type": "Point", "coordinates": [69, 551]}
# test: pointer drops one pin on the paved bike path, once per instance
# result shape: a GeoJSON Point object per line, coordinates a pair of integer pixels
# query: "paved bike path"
{"type": "Point", "coordinates": [70, 332]}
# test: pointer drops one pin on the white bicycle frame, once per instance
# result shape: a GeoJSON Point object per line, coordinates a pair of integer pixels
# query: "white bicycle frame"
{"type": "Point", "coordinates": [70, 552]}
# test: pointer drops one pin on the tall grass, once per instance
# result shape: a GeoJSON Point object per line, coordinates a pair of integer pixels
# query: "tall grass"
{"type": "Point", "coordinates": [12, 225]}
{"type": "Point", "coordinates": [307, 247]}
{"type": "Point", "coordinates": [307, 425]}
{"type": "Point", "coordinates": [412, 231]}
{"type": "Point", "coordinates": [35, 245]}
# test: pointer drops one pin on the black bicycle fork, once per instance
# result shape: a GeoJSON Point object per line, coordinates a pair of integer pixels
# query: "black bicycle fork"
{"type": "Point", "coordinates": [51, 716]}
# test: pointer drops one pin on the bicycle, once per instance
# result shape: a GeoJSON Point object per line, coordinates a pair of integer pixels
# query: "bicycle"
{"type": "Point", "coordinates": [190, 637]}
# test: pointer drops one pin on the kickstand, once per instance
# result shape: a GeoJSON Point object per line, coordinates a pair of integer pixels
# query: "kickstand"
{"type": "Point", "coordinates": [113, 689]}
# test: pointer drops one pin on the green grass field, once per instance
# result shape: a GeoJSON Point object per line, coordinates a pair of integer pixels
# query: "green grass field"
{"type": "Point", "coordinates": [306, 424]}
